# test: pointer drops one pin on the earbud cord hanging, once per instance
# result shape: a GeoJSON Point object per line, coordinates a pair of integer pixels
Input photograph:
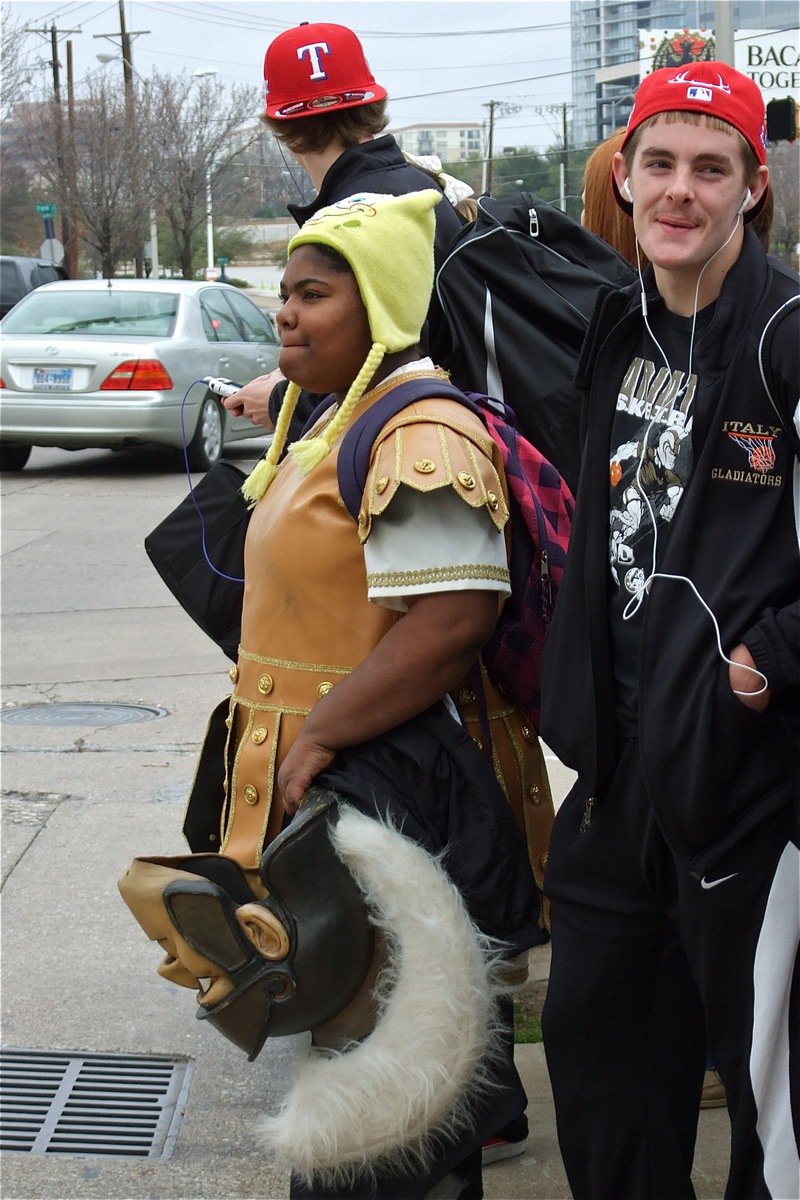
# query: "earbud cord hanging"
{"type": "Point", "coordinates": [290, 172]}
{"type": "Point", "coordinates": [637, 599]}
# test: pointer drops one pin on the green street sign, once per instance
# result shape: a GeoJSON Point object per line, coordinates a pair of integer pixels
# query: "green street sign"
{"type": "Point", "coordinates": [46, 210]}
{"type": "Point", "coordinates": [222, 260]}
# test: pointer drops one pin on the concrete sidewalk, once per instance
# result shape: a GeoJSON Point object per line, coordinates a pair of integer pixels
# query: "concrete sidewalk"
{"type": "Point", "coordinates": [86, 619]}
{"type": "Point", "coordinates": [79, 975]}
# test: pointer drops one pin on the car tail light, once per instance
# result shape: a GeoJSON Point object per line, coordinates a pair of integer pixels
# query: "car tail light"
{"type": "Point", "coordinates": [138, 375]}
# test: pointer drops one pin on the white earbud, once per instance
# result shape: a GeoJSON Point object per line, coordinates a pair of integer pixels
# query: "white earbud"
{"type": "Point", "coordinates": [746, 203]}
{"type": "Point", "coordinates": [628, 194]}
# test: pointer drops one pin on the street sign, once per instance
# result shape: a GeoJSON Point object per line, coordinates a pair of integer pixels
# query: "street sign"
{"type": "Point", "coordinates": [222, 260]}
{"type": "Point", "coordinates": [46, 210]}
{"type": "Point", "coordinates": [52, 249]}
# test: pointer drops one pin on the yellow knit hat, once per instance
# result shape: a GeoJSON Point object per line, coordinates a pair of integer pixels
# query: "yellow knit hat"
{"type": "Point", "coordinates": [388, 243]}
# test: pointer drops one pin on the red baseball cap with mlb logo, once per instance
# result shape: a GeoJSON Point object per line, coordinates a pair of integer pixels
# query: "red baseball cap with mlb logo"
{"type": "Point", "coordinates": [712, 88]}
{"type": "Point", "coordinates": [317, 68]}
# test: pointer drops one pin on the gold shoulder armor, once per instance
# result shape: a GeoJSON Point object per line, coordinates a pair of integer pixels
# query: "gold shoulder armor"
{"type": "Point", "coordinates": [430, 445]}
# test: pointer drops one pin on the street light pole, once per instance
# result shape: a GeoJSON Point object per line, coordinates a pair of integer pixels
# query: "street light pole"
{"type": "Point", "coordinates": [200, 73]}
{"type": "Point", "coordinates": [209, 223]}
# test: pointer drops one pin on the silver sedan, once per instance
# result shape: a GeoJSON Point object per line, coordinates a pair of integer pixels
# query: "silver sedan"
{"type": "Point", "coordinates": [109, 363]}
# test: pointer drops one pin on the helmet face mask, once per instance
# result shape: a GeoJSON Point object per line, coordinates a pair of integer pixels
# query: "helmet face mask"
{"type": "Point", "coordinates": [342, 945]}
{"type": "Point", "coordinates": [314, 69]}
{"type": "Point", "coordinates": [281, 965]}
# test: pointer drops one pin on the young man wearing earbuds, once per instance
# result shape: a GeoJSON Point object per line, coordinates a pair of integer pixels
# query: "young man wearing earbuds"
{"type": "Point", "coordinates": [672, 678]}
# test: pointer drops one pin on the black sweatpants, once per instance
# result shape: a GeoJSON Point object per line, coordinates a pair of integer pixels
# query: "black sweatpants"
{"type": "Point", "coordinates": [650, 966]}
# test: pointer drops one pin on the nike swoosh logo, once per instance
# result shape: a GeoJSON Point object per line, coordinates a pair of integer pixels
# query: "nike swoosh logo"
{"type": "Point", "coordinates": [706, 884]}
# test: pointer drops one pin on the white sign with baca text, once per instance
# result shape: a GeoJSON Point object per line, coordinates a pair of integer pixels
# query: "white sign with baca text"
{"type": "Point", "coordinates": [770, 58]}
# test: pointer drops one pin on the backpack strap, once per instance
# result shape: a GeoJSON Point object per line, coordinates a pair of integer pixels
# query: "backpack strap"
{"type": "Point", "coordinates": [356, 448]}
{"type": "Point", "coordinates": [771, 384]}
{"type": "Point", "coordinates": [316, 412]}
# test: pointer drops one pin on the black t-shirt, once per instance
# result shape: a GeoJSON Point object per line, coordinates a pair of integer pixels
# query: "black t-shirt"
{"type": "Point", "coordinates": [650, 462]}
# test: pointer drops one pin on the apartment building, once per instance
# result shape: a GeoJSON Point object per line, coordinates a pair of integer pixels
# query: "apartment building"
{"type": "Point", "coordinates": [449, 140]}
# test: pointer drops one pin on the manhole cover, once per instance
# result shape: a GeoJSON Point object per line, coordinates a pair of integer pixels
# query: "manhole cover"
{"type": "Point", "coordinates": [81, 714]}
{"type": "Point", "coordinates": [69, 1102]}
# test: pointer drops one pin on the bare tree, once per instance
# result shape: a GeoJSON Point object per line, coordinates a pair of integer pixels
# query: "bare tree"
{"type": "Point", "coordinates": [20, 227]}
{"type": "Point", "coordinates": [105, 156]}
{"type": "Point", "coordinates": [14, 62]}
{"type": "Point", "coordinates": [196, 132]}
{"type": "Point", "coordinates": [783, 160]}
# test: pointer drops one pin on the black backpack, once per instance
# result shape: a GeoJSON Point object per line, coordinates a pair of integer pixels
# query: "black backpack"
{"type": "Point", "coordinates": [517, 289]}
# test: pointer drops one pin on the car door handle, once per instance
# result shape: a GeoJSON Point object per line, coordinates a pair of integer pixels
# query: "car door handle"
{"type": "Point", "coordinates": [224, 361]}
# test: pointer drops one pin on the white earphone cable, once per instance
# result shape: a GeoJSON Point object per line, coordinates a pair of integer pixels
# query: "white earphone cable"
{"type": "Point", "coordinates": [637, 598]}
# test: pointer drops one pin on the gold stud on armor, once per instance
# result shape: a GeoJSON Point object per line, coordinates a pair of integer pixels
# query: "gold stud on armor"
{"type": "Point", "coordinates": [265, 685]}
{"type": "Point", "coordinates": [250, 794]}
{"type": "Point", "coordinates": [466, 480]}
{"type": "Point", "coordinates": [233, 674]}
{"type": "Point", "coordinates": [259, 735]}
{"type": "Point", "coordinates": [424, 466]}
{"type": "Point", "coordinates": [324, 688]}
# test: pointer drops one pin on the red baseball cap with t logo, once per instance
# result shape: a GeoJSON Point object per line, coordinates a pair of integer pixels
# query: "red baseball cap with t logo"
{"type": "Point", "coordinates": [317, 68]}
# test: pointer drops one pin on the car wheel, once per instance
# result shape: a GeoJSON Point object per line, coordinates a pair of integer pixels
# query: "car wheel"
{"type": "Point", "coordinates": [205, 447]}
{"type": "Point", "coordinates": [13, 456]}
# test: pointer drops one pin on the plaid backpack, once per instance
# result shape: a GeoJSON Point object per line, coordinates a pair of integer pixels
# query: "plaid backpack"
{"type": "Point", "coordinates": [541, 516]}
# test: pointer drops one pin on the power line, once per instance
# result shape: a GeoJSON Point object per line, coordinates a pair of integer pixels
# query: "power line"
{"type": "Point", "coordinates": [503, 83]}
{"type": "Point", "coordinates": [228, 15]}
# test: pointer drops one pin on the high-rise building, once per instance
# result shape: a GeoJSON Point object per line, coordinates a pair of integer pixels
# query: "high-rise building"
{"type": "Point", "coordinates": [605, 51]}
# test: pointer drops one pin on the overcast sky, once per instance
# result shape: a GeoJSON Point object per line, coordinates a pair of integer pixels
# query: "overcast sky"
{"type": "Point", "coordinates": [440, 60]}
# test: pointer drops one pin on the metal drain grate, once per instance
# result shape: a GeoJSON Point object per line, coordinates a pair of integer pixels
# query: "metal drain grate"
{"type": "Point", "coordinates": [68, 1102]}
{"type": "Point", "coordinates": [81, 714]}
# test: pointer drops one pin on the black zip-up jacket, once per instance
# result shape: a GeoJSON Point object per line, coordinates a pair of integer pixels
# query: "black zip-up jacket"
{"type": "Point", "coordinates": [713, 768]}
{"type": "Point", "coordinates": [380, 166]}
{"type": "Point", "coordinates": [376, 166]}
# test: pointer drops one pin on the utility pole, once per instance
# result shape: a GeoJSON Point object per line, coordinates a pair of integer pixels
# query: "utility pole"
{"type": "Point", "coordinates": [723, 31]}
{"type": "Point", "coordinates": [52, 34]}
{"type": "Point", "coordinates": [127, 61]}
{"type": "Point", "coordinates": [486, 184]}
{"type": "Point", "coordinates": [126, 50]}
{"type": "Point", "coordinates": [125, 42]}
{"type": "Point", "coordinates": [563, 109]}
{"type": "Point", "coordinates": [71, 239]}
{"type": "Point", "coordinates": [66, 233]}
{"type": "Point", "coordinates": [503, 110]}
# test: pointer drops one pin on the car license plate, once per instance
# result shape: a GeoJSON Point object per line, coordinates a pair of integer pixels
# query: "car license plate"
{"type": "Point", "coordinates": [54, 379]}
